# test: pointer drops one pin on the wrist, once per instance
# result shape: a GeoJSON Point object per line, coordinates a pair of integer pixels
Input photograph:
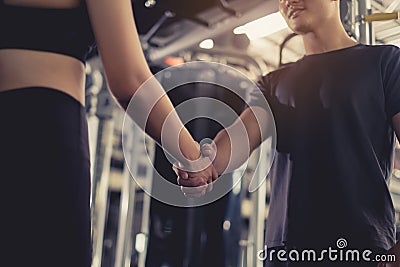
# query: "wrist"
{"type": "Point", "coordinates": [220, 170]}
{"type": "Point", "coordinates": [193, 160]}
{"type": "Point", "coordinates": [210, 150]}
{"type": "Point", "coordinates": [190, 152]}
{"type": "Point", "coordinates": [189, 148]}
{"type": "Point", "coordinates": [196, 165]}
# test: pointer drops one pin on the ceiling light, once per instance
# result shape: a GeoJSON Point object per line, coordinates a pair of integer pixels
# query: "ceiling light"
{"type": "Point", "coordinates": [207, 44]}
{"type": "Point", "coordinates": [262, 27]}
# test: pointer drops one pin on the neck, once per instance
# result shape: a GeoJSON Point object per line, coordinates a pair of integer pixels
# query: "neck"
{"type": "Point", "coordinates": [329, 37]}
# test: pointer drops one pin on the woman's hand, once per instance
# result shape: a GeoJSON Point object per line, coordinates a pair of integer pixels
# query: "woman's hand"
{"type": "Point", "coordinates": [197, 183]}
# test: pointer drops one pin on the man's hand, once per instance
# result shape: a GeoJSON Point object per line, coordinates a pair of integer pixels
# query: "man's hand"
{"type": "Point", "coordinates": [196, 184]}
{"type": "Point", "coordinates": [209, 150]}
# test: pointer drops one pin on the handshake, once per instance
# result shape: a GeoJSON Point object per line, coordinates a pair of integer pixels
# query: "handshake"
{"type": "Point", "coordinates": [198, 176]}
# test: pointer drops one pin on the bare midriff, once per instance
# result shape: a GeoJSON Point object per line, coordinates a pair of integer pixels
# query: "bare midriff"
{"type": "Point", "coordinates": [21, 68]}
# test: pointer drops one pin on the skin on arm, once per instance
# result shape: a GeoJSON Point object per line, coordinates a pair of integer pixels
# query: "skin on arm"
{"type": "Point", "coordinates": [246, 134]}
{"type": "Point", "coordinates": [126, 70]}
{"type": "Point", "coordinates": [236, 143]}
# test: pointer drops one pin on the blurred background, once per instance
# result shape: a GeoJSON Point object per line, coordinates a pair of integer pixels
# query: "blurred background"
{"type": "Point", "coordinates": [132, 229]}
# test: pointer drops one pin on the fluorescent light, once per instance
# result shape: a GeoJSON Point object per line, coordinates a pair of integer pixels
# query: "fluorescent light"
{"type": "Point", "coordinates": [140, 243]}
{"type": "Point", "coordinates": [207, 44]}
{"type": "Point", "coordinates": [263, 26]}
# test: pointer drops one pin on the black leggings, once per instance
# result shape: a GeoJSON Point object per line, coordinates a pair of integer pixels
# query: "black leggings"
{"type": "Point", "coordinates": [45, 179]}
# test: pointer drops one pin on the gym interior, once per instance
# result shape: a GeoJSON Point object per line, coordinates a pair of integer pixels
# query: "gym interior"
{"type": "Point", "coordinates": [131, 225]}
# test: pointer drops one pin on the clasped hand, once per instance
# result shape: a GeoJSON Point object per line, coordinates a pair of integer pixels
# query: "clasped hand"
{"type": "Point", "coordinates": [197, 179]}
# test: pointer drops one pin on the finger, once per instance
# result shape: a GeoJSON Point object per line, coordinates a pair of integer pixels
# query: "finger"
{"type": "Point", "coordinates": [189, 183]}
{"type": "Point", "coordinates": [202, 182]}
{"type": "Point", "coordinates": [185, 182]}
{"type": "Point", "coordinates": [183, 174]}
{"type": "Point", "coordinates": [207, 152]}
{"type": "Point", "coordinates": [210, 187]}
{"type": "Point", "coordinates": [179, 180]}
{"type": "Point", "coordinates": [209, 175]}
{"type": "Point", "coordinates": [206, 146]}
{"type": "Point", "coordinates": [175, 169]}
{"type": "Point", "coordinates": [193, 182]}
{"type": "Point", "coordinates": [209, 183]}
{"type": "Point", "coordinates": [214, 174]}
{"type": "Point", "coordinates": [179, 172]}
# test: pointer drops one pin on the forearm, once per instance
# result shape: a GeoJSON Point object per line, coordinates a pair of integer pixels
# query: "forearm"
{"type": "Point", "coordinates": [224, 151]}
{"type": "Point", "coordinates": [232, 150]}
{"type": "Point", "coordinates": [152, 110]}
{"type": "Point", "coordinates": [166, 128]}
{"type": "Point", "coordinates": [236, 143]}
{"type": "Point", "coordinates": [128, 75]}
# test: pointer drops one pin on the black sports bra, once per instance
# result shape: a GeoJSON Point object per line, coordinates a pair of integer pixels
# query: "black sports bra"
{"type": "Point", "coordinates": [62, 31]}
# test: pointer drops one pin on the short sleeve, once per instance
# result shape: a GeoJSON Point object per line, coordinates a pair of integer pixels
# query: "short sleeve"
{"type": "Point", "coordinates": [259, 93]}
{"type": "Point", "coordinates": [391, 80]}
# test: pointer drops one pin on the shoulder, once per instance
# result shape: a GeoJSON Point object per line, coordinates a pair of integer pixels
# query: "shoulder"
{"type": "Point", "coordinates": [383, 51]}
{"type": "Point", "coordinates": [275, 75]}
{"type": "Point", "coordinates": [387, 57]}
{"type": "Point", "coordinates": [390, 52]}
{"type": "Point", "coordinates": [386, 47]}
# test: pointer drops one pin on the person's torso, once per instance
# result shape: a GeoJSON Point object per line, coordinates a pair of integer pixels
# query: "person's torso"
{"type": "Point", "coordinates": [334, 151]}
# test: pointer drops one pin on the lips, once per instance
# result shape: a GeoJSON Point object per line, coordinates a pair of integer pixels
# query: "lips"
{"type": "Point", "coordinates": [294, 12]}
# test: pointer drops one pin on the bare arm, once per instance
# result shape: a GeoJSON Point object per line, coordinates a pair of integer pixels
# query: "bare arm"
{"type": "Point", "coordinates": [236, 143]}
{"type": "Point", "coordinates": [126, 69]}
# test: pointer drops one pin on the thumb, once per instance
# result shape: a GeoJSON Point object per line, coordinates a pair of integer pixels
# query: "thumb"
{"type": "Point", "coordinates": [183, 174]}
{"type": "Point", "coordinates": [179, 172]}
{"type": "Point", "coordinates": [209, 150]}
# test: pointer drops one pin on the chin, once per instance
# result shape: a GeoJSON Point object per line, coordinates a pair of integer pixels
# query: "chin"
{"type": "Point", "coordinates": [300, 28]}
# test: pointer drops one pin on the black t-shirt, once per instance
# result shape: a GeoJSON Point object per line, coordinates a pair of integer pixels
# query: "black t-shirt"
{"type": "Point", "coordinates": [335, 141]}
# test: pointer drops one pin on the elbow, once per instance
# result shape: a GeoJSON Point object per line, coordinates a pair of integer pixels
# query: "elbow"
{"type": "Point", "coordinates": [123, 89]}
